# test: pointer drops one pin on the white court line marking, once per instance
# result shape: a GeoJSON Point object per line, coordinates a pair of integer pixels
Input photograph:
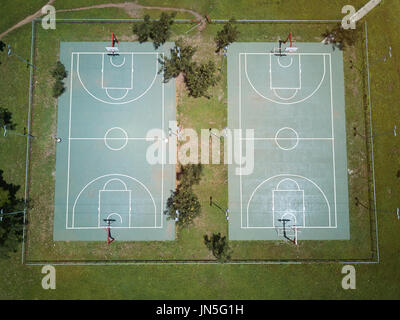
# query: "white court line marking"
{"type": "Point", "coordinates": [116, 103]}
{"type": "Point", "coordinates": [146, 138]}
{"type": "Point", "coordinates": [240, 124]}
{"type": "Point", "coordinates": [288, 65]}
{"type": "Point", "coordinates": [163, 152]}
{"type": "Point", "coordinates": [110, 175]}
{"type": "Point", "coordinates": [288, 179]}
{"type": "Point", "coordinates": [102, 227]}
{"type": "Point", "coordinates": [282, 88]}
{"type": "Point", "coordinates": [116, 88]}
{"type": "Point", "coordinates": [306, 139]}
{"type": "Point", "coordinates": [115, 214]}
{"type": "Point", "coordinates": [116, 65]}
{"type": "Point", "coordinates": [286, 175]}
{"type": "Point", "coordinates": [114, 98]}
{"type": "Point", "coordinates": [115, 179]}
{"type": "Point", "coordinates": [69, 142]}
{"type": "Point", "coordinates": [282, 98]}
{"type": "Point", "coordinates": [125, 139]}
{"type": "Point", "coordinates": [240, 148]}
{"type": "Point", "coordinates": [290, 129]}
{"type": "Point", "coordinates": [279, 102]}
{"type": "Point", "coordinates": [333, 143]}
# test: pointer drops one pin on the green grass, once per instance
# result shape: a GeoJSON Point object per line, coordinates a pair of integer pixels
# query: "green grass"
{"type": "Point", "coordinates": [15, 10]}
{"type": "Point", "coordinates": [217, 281]}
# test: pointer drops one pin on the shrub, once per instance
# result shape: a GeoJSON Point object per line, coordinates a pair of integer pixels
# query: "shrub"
{"type": "Point", "coordinates": [219, 246]}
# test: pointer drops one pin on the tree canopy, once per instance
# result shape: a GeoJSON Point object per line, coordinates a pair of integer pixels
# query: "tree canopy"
{"type": "Point", "coordinates": [158, 30]}
{"type": "Point", "coordinates": [339, 37]}
{"type": "Point", "coordinates": [180, 61]}
{"type": "Point", "coordinates": [6, 119]}
{"type": "Point", "coordinates": [219, 246]}
{"type": "Point", "coordinates": [227, 35]}
{"type": "Point", "coordinates": [58, 73]}
{"type": "Point", "coordinates": [186, 203]}
{"type": "Point", "coordinates": [183, 199]}
{"type": "Point", "coordinates": [11, 226]}
{"type": "Point", "coordinates": [143, 29]}
{"type": "Point", "coordinates": [191, 175]}
{"type": "Point", "coordinates": [200, 78]}
{"type": "Point", "coordinates": [161, 29]}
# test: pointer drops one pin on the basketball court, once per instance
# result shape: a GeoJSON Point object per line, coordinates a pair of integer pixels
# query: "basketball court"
{"type": "Point", "coordinates": [295, 104]}
{"type": "Point", "coordinates": [103, 179]}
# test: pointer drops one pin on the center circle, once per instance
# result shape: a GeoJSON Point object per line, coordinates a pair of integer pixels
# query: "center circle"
{"type": "Point", "coordinates": [116, 135]}
{"type": "Point", "coordinates": [286, 138]}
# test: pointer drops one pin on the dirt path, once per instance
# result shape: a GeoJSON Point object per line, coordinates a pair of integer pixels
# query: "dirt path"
{"type": "Point", "coordinates": [131, 8]}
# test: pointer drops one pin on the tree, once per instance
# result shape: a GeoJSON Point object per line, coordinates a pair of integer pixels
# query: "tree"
{"type": "Point", "coordinates": [4, 197]}
{"type": "Point", "coordinates": [186, 203]}
{"type": "Point", "coordinates": [11, 226]}
{"type": "Point", "coordinates": [219, 246]}
{"type": "Point", "coordinates": [191, 175]}
{"type": "Point", "coordinates": [2, 46]}
{"type": "Point", "coordinates": [6, 119]}
{"type": "Point", "coordinates": [143, 29]}
{"type": "Point", "coordinates": [339, 37]}
{"type": "Point", "coordinates": [59, 72]}
{"type": "Point", "coordinates": [180, 61]}
{"type": "Point", "coordinates": [58, 88]}
{"type": "Point", "coordinates": [160, 30]}
{"type": "Point", "coordinates": [227, 35]}
{"type": "Point", "coordinates": [183, 199]}
{"type": "Point", "coordinates": [199, 78]}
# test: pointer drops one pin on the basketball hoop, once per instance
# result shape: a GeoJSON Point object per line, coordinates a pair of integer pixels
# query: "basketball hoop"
{"type": "Point", "coordinates": [112, 50]}
{"type": "Point", "coordinates": [290, 49]}
{"type": "Point", "coordinates": [288, 232]}
{"type": "Point", "coordinates": [109, 236]}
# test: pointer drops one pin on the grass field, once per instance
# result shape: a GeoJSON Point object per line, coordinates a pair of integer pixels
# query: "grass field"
{"type": "Point", "coordinates": [221, 281]}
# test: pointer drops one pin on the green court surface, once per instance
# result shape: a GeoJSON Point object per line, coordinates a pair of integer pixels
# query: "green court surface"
{"type": "Point", "coordinates": [295, 105]}
{"type": "Point", "coordinates": [104, 117]}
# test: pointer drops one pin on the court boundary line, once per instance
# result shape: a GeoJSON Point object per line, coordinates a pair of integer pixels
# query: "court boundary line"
{"type": "Point", "coordinates": [332, 139]}
{"type": "Point", "coordinates": [140, 96]}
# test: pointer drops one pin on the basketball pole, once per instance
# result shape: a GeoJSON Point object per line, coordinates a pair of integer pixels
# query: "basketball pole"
{"type": "Point", "coordinates": [11, 53]}
{"type": "Point", "coordinates": [226, 211]}
{"type": "Point", "coordinates": [16, 133]}
{"type": "Point", "coordinates": [394, 132]}
{"type": "Point", "coordinates": [284, 231]}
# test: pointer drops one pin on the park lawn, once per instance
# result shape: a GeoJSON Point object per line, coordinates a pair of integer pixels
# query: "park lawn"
{"type": "Point", "coordinates": [192, 113]}
{"type": "Point", "coordinates": [245, 281]}
{"type": "Point", "coordinates": [14, 11]}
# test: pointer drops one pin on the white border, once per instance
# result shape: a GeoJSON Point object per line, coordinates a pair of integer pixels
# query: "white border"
{"type": "Point", "coordinates": [70, 139]}
{"type": "Point", "coordinates": [331, 139]}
